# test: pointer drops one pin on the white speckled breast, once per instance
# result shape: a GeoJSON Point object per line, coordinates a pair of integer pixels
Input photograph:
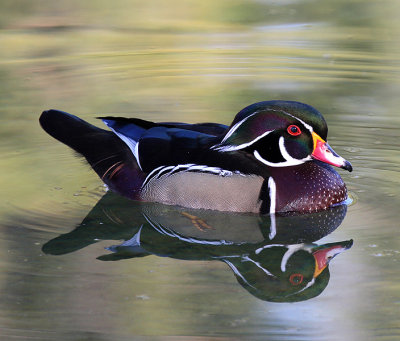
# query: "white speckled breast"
{"type": "Point", "coordinates": [310, 187]}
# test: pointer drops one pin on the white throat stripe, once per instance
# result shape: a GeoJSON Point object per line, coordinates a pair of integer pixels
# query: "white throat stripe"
{"type": "Point", "coordinates": [290, 161]}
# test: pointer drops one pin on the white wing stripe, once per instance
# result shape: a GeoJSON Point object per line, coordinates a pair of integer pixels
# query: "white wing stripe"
{"type": "Point", "coordinates": [132, 144]}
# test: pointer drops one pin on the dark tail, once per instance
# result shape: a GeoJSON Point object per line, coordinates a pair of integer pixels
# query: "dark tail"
{"type": "Point", "coordinates": [109, 156]}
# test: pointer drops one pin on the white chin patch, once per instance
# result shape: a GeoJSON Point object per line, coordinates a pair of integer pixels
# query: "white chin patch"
{"type": "Point", "coordinates": [290, 161]}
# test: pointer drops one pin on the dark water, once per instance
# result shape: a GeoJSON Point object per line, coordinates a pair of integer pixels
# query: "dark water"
{"type": "Point", "coordinates": [196, 62]}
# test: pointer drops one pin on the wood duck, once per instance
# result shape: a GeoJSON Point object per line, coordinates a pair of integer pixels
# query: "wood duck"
{"type": "Point", "coordinates": [273, 158]}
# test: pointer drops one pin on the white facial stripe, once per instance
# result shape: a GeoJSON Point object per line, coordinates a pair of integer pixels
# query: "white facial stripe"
{"type": "Point", "coordinates": [283, 150]}
{"type": "Point", "coordinates": [248, 259]}
{"type": "Point", "coordinates": [292, 162]}
{"type": "Point", "coordinates": [291, 250]}
{"type": "Point", "coordinates": [237, 125]}
{"type": "Point", "coordinates": [298, 119]}
{"type": "Point", "coordinates": [229, 148]}
{"type": "Point", "coordinates": [237, 272]}
{"type": "Point", "coordinates": [309, 284]}
{"type": "Point", "coordinates": [241, 146]}
{"type": "Point", "coordinates": [287, 156]}
{"type": "Point", "coordinates": [267, 247]}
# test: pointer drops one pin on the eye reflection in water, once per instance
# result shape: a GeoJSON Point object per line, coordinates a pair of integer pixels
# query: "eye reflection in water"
{"type": "Point", "coordinates": [273, 257]}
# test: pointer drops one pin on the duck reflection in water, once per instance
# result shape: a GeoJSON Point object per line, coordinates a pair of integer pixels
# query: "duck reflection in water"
{"type": "Point", "coordinates": [273, 257]}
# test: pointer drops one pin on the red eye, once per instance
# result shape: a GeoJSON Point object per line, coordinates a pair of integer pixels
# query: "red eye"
{"type": "Point", "coordinates": [293, 130]}
{"type": "Point", "coordinates": [296, 279]}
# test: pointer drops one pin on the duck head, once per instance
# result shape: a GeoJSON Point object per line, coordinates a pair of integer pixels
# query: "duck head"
{"type": "Point", "coordinates": [281, 134]}
{"type": "Point", "coordinates": [287, 273]}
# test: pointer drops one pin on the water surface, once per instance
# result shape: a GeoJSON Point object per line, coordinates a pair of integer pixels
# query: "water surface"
{"type": "Point", "coordinates": [191, 62]}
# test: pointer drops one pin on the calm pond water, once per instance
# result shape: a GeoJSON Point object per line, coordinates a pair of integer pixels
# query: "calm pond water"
{"type": "Point", "coordinates": [195, 62]}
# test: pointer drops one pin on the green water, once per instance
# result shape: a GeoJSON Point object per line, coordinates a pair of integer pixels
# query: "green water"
{"type": "Point", "coordinates": [192, 61]}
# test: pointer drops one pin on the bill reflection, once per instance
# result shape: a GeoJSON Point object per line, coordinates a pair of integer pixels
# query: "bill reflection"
{"type": "Point", "coordinates": [275, 258]}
